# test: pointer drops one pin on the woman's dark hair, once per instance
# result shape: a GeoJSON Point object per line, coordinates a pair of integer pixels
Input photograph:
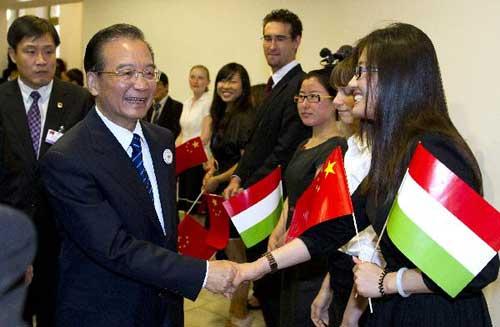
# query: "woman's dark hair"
{"type": "Point", "coordinates": [409, 102]}
{"type": "Point", "coordinates": [61, 67]}
{"type": "Point", "coordinates": [343, 72]}
{"type": "Point", "coordinates": [75, 75]}
{"type": "Point", "coordinates": [219, 112]}
{"type": "Point", "coordinates": [323, 77]}
{"type": "Point", "coordinates": [258, 93]}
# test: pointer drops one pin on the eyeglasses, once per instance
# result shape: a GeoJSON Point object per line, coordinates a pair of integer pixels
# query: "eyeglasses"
{"type": "Point", "coordinates": [311, 98]}
{"type": "Point", "coordinates": [361, 69]}
{"type": "Point", "coordinates": [127, 75]}
{"type": "Point", "coordinates": [276, 38]}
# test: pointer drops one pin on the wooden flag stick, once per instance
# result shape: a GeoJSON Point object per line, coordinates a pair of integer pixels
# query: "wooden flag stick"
{"type": "Point", "coordinates": [195, 201]}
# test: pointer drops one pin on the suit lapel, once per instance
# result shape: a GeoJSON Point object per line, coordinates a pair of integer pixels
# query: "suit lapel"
{"type": "Point", "coordinates": [163, 179]}
{"type": "Point", "coordinates": [282, 84]}
{"type": "Point", "coordinates": [17, 120]}
{"type": "Point", "coordinates": [55, 113]}
{"type": "Point", "coordinates": [164, 110]}
{"type": "Point", "coordinates": [116, 162]}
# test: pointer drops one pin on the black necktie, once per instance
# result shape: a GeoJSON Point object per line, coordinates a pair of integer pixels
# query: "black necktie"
{"type": "Point", "coordinates": [269, 87]}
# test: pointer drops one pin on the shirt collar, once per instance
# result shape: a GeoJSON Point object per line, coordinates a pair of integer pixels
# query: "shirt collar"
{"type": "Point", "coordinates": [123, 135]}
{"type": "Point", "coordinates": [43, 90]}
{"type": "Point", "coordinates": [280, 73]}
{"type": "Point", "coordinates": [162, 101]}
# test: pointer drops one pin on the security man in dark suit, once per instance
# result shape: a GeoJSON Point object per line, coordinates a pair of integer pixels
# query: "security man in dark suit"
{"type": "Point", "coordinates": [165, 111]}
{"type": "Point", "coordinates": [278, 132]}
{"type": "Point", "coordinates": [36, 110]}
{"type": "Point", "coordinates": [111, 182]}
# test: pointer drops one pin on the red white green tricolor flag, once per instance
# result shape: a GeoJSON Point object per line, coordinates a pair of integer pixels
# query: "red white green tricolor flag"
{"type": "Point", "coordinates": [256, 211]}
{"type": "Point", "coordinates": [442, 225]}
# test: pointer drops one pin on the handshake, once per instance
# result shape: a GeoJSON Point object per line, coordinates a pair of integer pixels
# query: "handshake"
{"type": "Point", "coordinates": [224, 277]}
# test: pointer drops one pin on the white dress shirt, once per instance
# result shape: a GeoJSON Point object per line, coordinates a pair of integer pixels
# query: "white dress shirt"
{"type": "Point", "coordinates": [124, 137]}
{"type": "Point", "coordinates": [357, 161]}
{"type": "Point", "coordinates": [43, 102]}
{"type": "Point", "coordinates": [280, 73]}
{"type": "Point", "coordinates": [192, 116]}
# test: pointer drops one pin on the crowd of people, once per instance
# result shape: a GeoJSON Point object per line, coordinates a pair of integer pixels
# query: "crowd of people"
{"type": "Point", "coordinates": [94, 170]}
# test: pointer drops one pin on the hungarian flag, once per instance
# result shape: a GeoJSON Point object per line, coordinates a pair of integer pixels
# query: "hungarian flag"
{"type": "Point", "coordinates": [189, 154]}
{"type": "Point", "coordinates": [326, 198]}
{"type": "Point", "coordinates": [442, 225]}
{"type": "Point", "coordinates": [218, 234]}
{"type": "Point", "coordinates": [192, 239]}
{"type": "Point", "coordinates": [256, 211]}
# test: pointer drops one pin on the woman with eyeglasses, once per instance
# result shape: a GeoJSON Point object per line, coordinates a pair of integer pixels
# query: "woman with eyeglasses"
{"type": "Point", "coordinates": [232, 121]}
{"type": "Point", "coordinates": [328, 306]}
{"type": "Point", "coordinates": [399, 93]}
{"type": "Point", "coordinates": [300, 284]}
{"type": "Point", "coordinates": [194, 122]}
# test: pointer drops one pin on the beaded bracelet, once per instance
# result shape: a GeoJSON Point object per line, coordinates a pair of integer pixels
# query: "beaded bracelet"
{"type": "Point", "coordinates": [381, 282]}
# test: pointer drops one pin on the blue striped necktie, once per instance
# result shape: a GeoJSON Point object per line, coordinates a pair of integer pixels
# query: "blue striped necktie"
{"type": "Point", "coordinates": [139, 164]}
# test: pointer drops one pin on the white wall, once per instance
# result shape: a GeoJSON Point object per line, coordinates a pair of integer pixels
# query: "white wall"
{"type": "Point", "coordinates": [465, 33]}
{"type": "Point", "coordinates": [70, 22]}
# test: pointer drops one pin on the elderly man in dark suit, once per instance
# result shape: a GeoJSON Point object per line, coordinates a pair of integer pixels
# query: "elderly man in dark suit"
{"type": "Point", "coordinates": [166, 111]}
{"type": "Point", "coordinates": [111, 182]}
{"type": "Point", "coordinates": [278, 132]}
{"type": "Point", "coordinates": [17, 249]}
{"type": "Point", "coordinates": [36, 110]}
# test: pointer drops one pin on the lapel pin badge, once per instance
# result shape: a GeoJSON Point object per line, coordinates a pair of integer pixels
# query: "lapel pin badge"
{"type": "Point", "coordinates": [59, 105]}
{"type": "Point", "coordinates": [168, 156]}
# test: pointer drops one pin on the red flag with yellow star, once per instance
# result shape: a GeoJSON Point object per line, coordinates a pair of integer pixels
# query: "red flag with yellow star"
{"type": "Point", "coordinates": [192, 239]}
{"type": "Point", "coordinates": [218, 234]}
{"type": "Point", "coordinates": [326, 198]}
{"type": "Point", "coordinates": [189, 154]}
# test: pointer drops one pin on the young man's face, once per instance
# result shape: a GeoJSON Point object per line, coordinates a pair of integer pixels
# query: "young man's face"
{"type": "Point", "coordinates": [279, 47]}
{"type": "Point", "coordinates": [36, 60]}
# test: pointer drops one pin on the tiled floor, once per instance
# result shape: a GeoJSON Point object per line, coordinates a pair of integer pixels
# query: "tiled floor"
{"type": "Point", "coordinates": [211, 310]}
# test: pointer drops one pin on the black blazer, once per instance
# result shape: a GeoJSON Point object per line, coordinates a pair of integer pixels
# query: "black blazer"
{"type": "Point", "coordinates": [20, 183]}
{"type": "Point", "coordinates": [170, 116]}
{"type": "Point", "coordinates": [278, 131]}
{"type": "Point", "coordinates": [68, 104]}
{"type": "Point", "coordinates": [117, 268]}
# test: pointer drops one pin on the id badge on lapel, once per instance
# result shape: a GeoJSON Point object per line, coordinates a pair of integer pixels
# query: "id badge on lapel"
{"type": "Point", "coordinates": [53, 136]}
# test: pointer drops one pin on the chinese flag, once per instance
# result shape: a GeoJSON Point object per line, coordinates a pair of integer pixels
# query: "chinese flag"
{"type": "Point", "coordinates": [326, 198]}
{"type": "Point", "coordinates": [189, 154]}
{"type": "Point", "coordinates": [192, 239]}
{"type": "Point", "coordinates": [218, 234]}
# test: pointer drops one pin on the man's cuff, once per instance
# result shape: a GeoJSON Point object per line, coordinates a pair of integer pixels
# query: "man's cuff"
{"type": "Point", "coordinates": [206, 276]}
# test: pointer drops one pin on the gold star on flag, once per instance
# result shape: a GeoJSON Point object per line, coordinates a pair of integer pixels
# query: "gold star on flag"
{"type": "Point", "coordinates": [214, 202]}
{"type": "Point", "coordinates": [195, 144]}
{"type": "Point", "coordinates": [329, 168]}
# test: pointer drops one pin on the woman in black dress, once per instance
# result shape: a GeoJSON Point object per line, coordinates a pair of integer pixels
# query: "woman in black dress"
{"type": "Point", "coordinates": [232, 121]}
{"type": "Point", "coordinates": [398, 90]}
{"type": "Point", "coordinates": [300, 284]}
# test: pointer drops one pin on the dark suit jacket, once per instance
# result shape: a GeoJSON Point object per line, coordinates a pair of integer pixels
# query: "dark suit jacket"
{"type": "Point", "coordinates": [170, 116]}
{"type": "Point", "coordinates": [20, 184]}
{"type": "Point", "coordinates": [278, 132]}
{"type": "Point", "coordinates": [116, 266]}
{"type": "Point", "coordinates": [17, 244]}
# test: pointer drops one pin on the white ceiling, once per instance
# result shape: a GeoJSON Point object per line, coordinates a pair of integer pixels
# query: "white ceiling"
{"type": "Point", "coordinates": [15, 4]}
